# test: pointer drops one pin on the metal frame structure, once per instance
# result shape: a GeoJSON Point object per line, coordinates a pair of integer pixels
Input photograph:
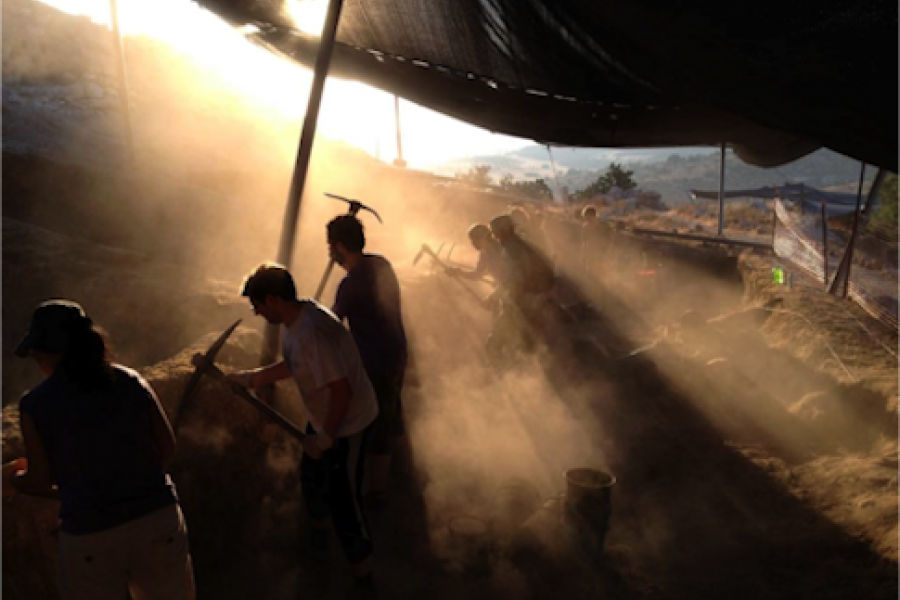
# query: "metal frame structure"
{"type": "Point", "coordinates": [722, 191]}
{"type": "Point", "coordinates": [702, 238]}
{"type": "Point", "coordinates": [304, 154]}
{"type": "Point", "coordinates": [122, 74]}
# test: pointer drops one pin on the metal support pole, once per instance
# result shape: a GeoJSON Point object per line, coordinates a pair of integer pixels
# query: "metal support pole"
{"type": "Point", "coordinates": [872, 197]}
{"type": "Point", "coordinates": [304, 152]}
{"type": "Point", "coordinates": [825, 244]}
{"type": "Point", "coordinates": [559, 194]}
{"type": "Point", "coordinates": [308, 135]}
{"type": "Point", "coordinates": [398, 162]}
{"type": "Point", "coordinates": [774, 220]}
{"type": "Point", "coordinates": [119, 51]}
{"type": "Point", "coordinates": [855, 231]}
{"type": "Point", "coordinates": [722, 190]}
{"type": "Point", "coordinates": [846, 260]}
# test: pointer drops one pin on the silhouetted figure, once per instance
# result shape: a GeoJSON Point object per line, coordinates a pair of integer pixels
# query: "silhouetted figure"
{"type": "Point", "coordinates": [595, 241]}
{"type": "Point", "coordinates": [369, 298]}
{"type": "Point", "coordinates": [526, 281]}
{"type": "Point", "coordinates": [321, 356]}
{"type": "Point", "coordinates": [96, 430]}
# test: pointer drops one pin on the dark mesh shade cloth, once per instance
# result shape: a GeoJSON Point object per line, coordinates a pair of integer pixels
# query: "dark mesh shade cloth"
{"type": "Point", "coordinates": [774, 79]}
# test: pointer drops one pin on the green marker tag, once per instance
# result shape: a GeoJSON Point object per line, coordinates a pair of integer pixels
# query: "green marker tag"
{"type": "Point", "coordinates": [778, 275]}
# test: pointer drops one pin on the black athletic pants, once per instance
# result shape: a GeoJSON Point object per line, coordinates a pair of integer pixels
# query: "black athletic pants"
{"type": "Point", "coordinates": [332, 487]}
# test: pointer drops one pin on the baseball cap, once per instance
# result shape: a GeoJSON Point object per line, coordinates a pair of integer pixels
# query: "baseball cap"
{"type": "Point", "coordinates": [50, 326]}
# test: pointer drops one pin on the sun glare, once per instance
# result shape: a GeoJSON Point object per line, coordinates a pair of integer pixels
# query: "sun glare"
{"type": "Point", "coordinates": [351, 112]}
{"type": "Point", "coordinates": [308, 15]}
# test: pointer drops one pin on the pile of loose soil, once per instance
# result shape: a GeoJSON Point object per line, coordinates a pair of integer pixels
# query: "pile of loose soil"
{"type": "Point", "coordinates": [150, 310]}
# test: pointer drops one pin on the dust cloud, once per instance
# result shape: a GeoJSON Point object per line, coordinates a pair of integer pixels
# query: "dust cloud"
{"type": "Point", "coordinates": [156, 251]}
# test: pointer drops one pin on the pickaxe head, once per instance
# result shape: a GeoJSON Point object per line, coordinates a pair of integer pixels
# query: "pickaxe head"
{"type": "Point", "coordinates": [201, 362]}
{"type": "Point", "coordinates": [426, 249]}
{"type": "Point", "coordinates": [419, 254]}
{"type": "Point", "coordinates": [355, 206]}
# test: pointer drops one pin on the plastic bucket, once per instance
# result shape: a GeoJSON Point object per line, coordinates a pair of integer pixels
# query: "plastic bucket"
{"type": "Point", "coordinates": [588, 505]}
{"type": "Point", "coordinates": [588, 488]}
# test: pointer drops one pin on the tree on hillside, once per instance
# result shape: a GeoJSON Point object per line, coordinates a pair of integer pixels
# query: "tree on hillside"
{"type": "Point", "coordinates": [537, 189]}
{"type": "Point", "coordinates": [477, 175]}
{"type": "Point", "coordinates": [615, 176]}
{"type": "Point", "coordinates": [885, 216]}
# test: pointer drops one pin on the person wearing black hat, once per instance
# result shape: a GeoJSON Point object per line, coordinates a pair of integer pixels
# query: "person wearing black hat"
{"type": "Point", "coordinates": [95, 432]}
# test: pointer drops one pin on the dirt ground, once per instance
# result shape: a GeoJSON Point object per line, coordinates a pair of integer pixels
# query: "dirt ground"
{"type": "Point", "coordinates": [744, 468]}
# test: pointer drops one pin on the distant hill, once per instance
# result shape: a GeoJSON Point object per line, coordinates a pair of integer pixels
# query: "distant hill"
{"type": "Point", "coordinates": [669, 171]}
{"type": "Point", "coordinates": [534, 162]}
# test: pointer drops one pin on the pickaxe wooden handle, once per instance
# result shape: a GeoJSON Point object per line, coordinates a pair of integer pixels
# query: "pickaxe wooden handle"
{"type": "Point", "coordinates": [208, 368]}
{"type": "Point", "coordinates": [210, 357]}
{"type": "Point", "coordinates": [427, 250]}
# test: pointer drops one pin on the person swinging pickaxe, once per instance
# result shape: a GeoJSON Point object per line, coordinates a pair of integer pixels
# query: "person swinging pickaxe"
{"type": "Point", "coordinates": [354, 207]}
{"type": "Point", "coordinates": [205, 366]}
{"type": "Point", "coordinates": [426, 249]}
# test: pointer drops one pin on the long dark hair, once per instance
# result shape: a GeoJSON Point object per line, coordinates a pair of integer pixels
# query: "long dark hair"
{"type": "Point", "coordinates": [86, 361]}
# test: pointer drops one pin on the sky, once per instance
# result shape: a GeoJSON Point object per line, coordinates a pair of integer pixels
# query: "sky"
{"type": "Point", "coordinates": [351, 112]}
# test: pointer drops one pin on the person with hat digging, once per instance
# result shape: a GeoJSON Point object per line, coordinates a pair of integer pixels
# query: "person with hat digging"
{"type": "Point", "coordinates": [95, 432]}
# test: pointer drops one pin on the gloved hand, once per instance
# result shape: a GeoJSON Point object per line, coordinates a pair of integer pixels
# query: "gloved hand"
{"type": "Point", "coordinates": [242, 378]}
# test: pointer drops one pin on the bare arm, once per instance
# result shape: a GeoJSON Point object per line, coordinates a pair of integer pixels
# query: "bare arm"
{"type": "Point", "coordinates": [267, 375]}
{"type": "Point", "coordinates": [37, 480]}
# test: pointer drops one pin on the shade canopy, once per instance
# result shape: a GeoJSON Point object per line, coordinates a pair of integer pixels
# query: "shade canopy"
{"type": "Point", "coordinates": [775, 80]}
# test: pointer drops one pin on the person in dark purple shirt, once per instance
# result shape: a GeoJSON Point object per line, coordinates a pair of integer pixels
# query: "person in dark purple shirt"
{"type": "Point", "coordinates": [369, 299]}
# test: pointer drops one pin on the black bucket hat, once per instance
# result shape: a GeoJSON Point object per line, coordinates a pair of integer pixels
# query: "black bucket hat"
{"type": "Point", "coordinates": [51, 324]}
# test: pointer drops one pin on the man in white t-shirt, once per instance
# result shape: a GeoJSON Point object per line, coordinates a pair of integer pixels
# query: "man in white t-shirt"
{"type": "Point", "coordinates": [321, 356]}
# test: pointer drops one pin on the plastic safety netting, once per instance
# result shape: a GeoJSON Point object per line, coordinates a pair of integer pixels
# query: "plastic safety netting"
{"type": "Point", "coordinates": [805, 237]}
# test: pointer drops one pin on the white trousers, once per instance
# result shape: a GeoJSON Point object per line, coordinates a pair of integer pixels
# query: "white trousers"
{"type": "Point", "coordinates": [147, 556]}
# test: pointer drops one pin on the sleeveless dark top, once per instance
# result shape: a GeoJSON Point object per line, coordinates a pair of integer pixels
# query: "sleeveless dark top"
{"type": "Point", "coordinates": [101, 450]}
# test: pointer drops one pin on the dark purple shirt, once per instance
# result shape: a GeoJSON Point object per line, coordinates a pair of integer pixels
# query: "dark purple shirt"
{"type": "Point", "coordinates": [369, 298]}
{"type": "Point", "coordinates": [101, 450]}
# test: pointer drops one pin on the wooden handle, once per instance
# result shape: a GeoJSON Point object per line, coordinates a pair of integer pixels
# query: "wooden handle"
{"type": "Point", "coordinates": [265, 409]}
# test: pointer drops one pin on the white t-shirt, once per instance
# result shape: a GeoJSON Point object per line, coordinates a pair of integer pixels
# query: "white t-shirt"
{"type": "Point", "coordinates": [319, 350]}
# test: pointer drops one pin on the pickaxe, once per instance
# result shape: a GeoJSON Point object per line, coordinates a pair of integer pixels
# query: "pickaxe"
{"type": "Point", "coordinates": [427, 250]}
{"type": "Point", "coordinates": [205, 366]}
{"type": "Point", "coordinates": [354, 207]}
